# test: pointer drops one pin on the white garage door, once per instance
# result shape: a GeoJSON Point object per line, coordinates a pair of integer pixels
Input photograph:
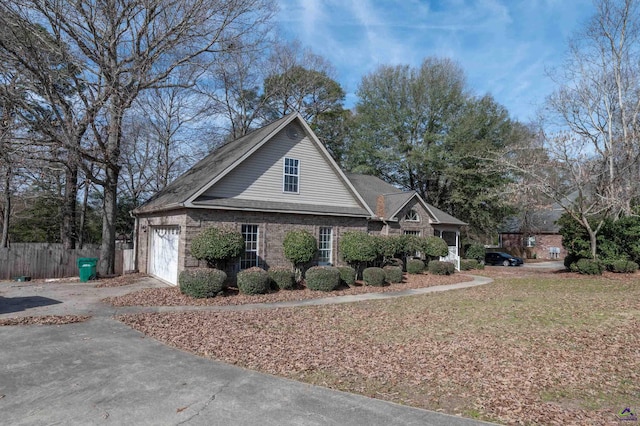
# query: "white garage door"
{"type": "Point", "coordinates": [163, 257]}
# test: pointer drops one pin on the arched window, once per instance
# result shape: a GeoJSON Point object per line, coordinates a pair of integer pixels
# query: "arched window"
{"type": "Point", "coordinates": [412, 216]}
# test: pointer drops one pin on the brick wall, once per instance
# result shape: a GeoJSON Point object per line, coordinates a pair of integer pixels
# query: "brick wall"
{"type": "Point", "coordinates": [517, 245]}
{"type": "Point", "coordinates": [423, 225]}
{"type": "Point", "coordinates": [272, 228]}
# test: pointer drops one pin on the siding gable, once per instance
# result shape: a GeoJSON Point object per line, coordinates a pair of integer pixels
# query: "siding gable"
{"type": "Point", "coordinates": [260, 176]}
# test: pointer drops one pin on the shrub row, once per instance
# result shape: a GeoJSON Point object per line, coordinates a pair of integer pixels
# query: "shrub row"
{"type": "Point", "coordinates": [415, 266]}
{"type": "Point", "coordinates": [322, 278]}
{"type": "Point", "coordinates": [202, 282]}
{"type": "Point", "coordinates": [437, 267]}
{"type": "Point", "coordinates": [469, 264]}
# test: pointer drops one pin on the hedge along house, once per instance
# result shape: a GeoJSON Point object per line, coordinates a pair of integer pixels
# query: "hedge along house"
{"type": "Point", "coordinates": [273, 180]}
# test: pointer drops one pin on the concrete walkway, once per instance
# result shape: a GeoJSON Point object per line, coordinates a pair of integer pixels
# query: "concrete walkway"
{"type": "Point", "coordinates": [103, 372]}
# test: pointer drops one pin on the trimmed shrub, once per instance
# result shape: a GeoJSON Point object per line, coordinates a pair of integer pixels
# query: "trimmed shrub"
{"type": "Point", "coordinates": [411, 244]}
{"type": "Point", "coordinates": [283, 278]}
{"type": "Point", "coordinates": [202, 282]}
{"type": "Point", "coordinates": [395, 262]}
{"type": "Point", "coordinates": [253, 281]}
{"type": "Point", "coordinates": [588, 267]}
{"type": "Point", "coordinates": [415, 266]}
{"type": "Point", "coordinates": [570, 260]}
{"type": "Point", "coordinates": [475, 251]}
{"type": "Point", "coordinates": [469, 264]}
{"type": "Point", "coordinates": [435, 246]}
{"type": "Point", "coordinates": [374, 277]}
{"type": "Point", "coordinates": [347, 275]}
{"type": "Point", "coordinates": [323, 278]}
{"type": "Point", "coordinates": [624, 266]}
{"type": "Point", "coordinates": [216, 246]}
{"type": "Point", "coordinates": [389, 246]}
{"type": "Point", "coordinates": [393, 274]}
{"type": "Point", "coordinates": [300, 247]}
{"type": "Point", "coordinates": [438, 267]}
{"type": "Point", "coordinates": [358, 247]}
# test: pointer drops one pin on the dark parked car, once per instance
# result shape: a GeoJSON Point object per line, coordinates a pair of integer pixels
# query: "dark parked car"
{"type": "Point", "coordinates": [503, 259]}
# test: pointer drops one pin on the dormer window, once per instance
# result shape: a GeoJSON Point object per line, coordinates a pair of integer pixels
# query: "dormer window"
{"type": "Point", "coordinates": [412, 216]}
{"type": "Point", "coordinates": [291, 175]}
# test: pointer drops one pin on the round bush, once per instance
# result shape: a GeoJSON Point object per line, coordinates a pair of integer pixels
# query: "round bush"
{"type": "Point", "coordinates": [283, 278]}
{"type": "Point", "coordinates": [299, 247]}
{"type": "Point", "coordinates": [374, 277]}
{"type": "Point", "coordinates": [393, 274]}
{"type": "Point", "coordinates": [323, 278]}
{"type": "Point", "coordinates": [415, 266]}
{"type": "Point", "coordinates": [216, 246]}
{"type": "Point", "coordinates": [475, 251]}
{"type": "Point", "coordinates": [347, 275]}
{"type": "Point", "coordinates": [438, 267]}
{"type": "Point", "coordinates": [624, 266]}
{"type": "Point", "coordinates": [358, 247]}
{"type": "Point", "coordinates": [588, 267]}
{"type": "Point", "coordinates": [469, 264]}
{"type": "Point", "coordinates": [202, 282]}
{"type": "Point", "coordinates": [435, 246]}
{"type": "Point", "coordinates": [253, 281]}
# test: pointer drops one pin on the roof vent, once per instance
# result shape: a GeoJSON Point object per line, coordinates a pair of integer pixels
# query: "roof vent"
{"type": "Point", "coordinates": [292, 132]}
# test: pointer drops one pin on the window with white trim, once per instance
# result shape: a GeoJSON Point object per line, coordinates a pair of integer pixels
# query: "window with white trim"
{"type": "Point", "coordinates": [250, 256]}
{"type": "Point", "coordinates": [325, 246]}
{"type": "Point", "coordinates": [412, 216]}
{"type": "Point", "coordinates": [291, 175]}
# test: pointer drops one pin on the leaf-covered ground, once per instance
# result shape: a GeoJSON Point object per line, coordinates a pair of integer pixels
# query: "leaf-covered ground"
{"type": "Point", "coordinates": [44, 320]}
{"type": "Point", "coordinates": [172, 296]}
{"type": "Point", "coordinates": [543, 349]}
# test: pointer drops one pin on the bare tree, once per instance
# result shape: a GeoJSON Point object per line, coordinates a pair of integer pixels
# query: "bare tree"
{"type": "Point", "coordinates": [163, 137]}
{"type": "Point", "coordinates": [598, 101]}
{"type": "Point", "coordinates": [121, 48]}
{"type": "Point", "coordinates": [562, 169]}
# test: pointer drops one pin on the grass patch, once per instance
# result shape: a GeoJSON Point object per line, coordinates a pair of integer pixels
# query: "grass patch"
{"type": "Point", "coordinates": [537, 350]}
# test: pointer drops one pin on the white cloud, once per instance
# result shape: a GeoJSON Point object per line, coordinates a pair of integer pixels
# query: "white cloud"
{"type": "Point", "coordinates": [503, 45]}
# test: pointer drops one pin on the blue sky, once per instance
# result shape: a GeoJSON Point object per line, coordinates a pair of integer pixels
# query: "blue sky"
{"type": "Point", "coordinates": [504, 46]}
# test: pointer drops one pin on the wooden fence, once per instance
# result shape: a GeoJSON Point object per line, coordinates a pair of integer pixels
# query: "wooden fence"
{"type": "Point", "coordinates": [43, 260]}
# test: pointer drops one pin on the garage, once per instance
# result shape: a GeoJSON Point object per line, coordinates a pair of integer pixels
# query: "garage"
{"type": "Point", "coordinates": [163, 256]}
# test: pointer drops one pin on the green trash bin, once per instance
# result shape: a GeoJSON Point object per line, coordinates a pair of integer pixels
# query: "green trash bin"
{"type": "Point", "coordinates": [87, 267]}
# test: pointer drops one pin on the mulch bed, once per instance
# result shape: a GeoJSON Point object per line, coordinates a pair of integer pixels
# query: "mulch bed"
{"type": "Point", "coordinates": [172, 296]}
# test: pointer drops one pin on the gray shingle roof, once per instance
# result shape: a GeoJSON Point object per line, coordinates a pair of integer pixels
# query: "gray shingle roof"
{"type": "Point", "coordinates": [276, 206]}
{"type": "Point", "coordinates": [370, 187]}
{"type": "Point", "coordinates": [191, 183]}
{"type": "Point", "coordinates": [184, 187]}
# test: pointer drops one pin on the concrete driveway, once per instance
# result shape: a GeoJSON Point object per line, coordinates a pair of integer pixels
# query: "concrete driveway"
{"type": "Point", "coordinates": [103, 372]}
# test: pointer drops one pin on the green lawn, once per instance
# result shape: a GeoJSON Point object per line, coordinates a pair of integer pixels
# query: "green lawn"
{"type": "Point", "coordinates": [549, 348]}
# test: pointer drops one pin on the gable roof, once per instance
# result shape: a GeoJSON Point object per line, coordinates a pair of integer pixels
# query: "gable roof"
{"type": "Point", "coordinates": [188, 189]}
{"type": "Point", "coordinates": [210, 167]}
{"type": "Point", "coordinates": [372, 187]}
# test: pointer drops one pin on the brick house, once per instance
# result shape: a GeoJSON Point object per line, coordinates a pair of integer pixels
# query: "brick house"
{"type": "Point", "coordinates": [536, 235]}
{"type": "Point", "coordinates": [275, 179]}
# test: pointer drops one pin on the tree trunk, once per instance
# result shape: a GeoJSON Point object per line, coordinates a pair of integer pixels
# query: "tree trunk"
{"type": "Point", "coordinates": [593, 241]}
{"type": "Point", "coordinates": [106, 265]}
{"type": "Point", "coordinates": [4, 238]}
{"type": "Point", "coordinates": [83, 213]}
{"type": "Point", "coordinates": [69, 207]}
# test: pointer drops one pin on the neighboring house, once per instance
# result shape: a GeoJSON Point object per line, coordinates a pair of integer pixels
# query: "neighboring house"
{"type": "Point", "coordinates": [273, 180]}
{"type": "Point", "coordinates": [535, 235]}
